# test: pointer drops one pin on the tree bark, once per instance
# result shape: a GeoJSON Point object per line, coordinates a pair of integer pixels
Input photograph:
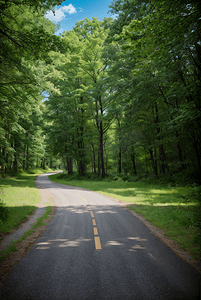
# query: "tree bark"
{"type": "Point", "coordinates": [101, 150]}
{"type": "Point", "coordinates": [133, 160]}
{"type": "Point", "coordinates": [94, 159]}
{"type": "Point", "coordinates": [154, 162]}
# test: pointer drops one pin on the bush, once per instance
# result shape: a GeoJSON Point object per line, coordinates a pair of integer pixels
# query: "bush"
{"type": "Point", "coordinates": [3, 211]}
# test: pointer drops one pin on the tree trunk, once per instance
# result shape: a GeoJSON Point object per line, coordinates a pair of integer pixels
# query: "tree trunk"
{"type": "Point", "coordinates": [162, 159]}
{"type": "Point", "coordinates": [99, 168]}
{"type": "Point", "coordinates": [6, 161]}
{"type": "Point", "coordinates": [43, 163]}
{"type": "Point", "coordinates": [154, 161]}
{"type": "Point", "coordinates": [69, 165]}
{"type": "Point", "coordinates": [133, 160]}
{"type": "Point", "coordinates": [27, 158]}
{"type": "Point", "coordinates": [3, 166]}
{"type": "Point", "coordinates": [24, 158]}
{"type": "Point", "coordinates": [81, 164]}
{"type": "Point", "coordinates": [147, 169]}
{"type": "Point", "coordinates": [119, 154]}
{"type": "Point", "coordinates": [94, 159]}
{"type": "Point", "coordinates": [101, 150]}
{"type": "Point", "coordinates": [15, 163]}
{"type": "Point", "coordinates": [119, 161]}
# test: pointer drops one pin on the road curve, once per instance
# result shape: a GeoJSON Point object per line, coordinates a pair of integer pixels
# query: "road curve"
{"type": "Point", "coordinates": [96, 249]}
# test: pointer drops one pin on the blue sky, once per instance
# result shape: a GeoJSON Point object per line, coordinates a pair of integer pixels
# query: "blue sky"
{"type": "Point", "coordinates": [69, 13]}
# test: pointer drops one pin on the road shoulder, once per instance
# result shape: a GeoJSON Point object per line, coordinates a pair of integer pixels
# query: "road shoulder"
{"type": "Point", "coordinates": [7, 264]}
{"type": "Point", "coordinates": [173, 245]}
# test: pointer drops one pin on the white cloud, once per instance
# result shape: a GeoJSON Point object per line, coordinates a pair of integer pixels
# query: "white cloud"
{"type": "Point", "coordinates": [60, 13]}
{"type": "Point", "coordinates": [69, 9]}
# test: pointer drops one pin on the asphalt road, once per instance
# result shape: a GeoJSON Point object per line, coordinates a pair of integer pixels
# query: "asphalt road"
{"type": "Point", "coordinates": [96, 249]}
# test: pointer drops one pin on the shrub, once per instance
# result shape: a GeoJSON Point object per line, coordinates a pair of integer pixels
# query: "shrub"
{"type": "Point", "coordinates": [3, 211]}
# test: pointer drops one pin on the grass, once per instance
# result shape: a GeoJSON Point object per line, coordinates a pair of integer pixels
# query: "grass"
{"type": "Point", "coordinates": [12, 246]}
{"type": "Point", "coordinates": [8, 250]}
{"type": "Point", "coordinates": [176, 210]}
{"type": "Point", "coordinates": [20, 196]}
{"type": "Point", "coordinates": [40, 220]}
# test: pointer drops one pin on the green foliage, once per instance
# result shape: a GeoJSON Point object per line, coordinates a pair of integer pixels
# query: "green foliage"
{"type": "Point", "coordinates": [8, 250]}
{"type": "Point", "coordinates": [95, 177]}
{"type": "Point", "coordinates": [77, 176]}
{"type": "Point", "coordinates": [26, 38]}
{"type": "Point", "coordinates": [82, 108]}
{"type": "Point", "coordinates": [4, 211]}
{"type": "Point", "coordinates": [123, 94]}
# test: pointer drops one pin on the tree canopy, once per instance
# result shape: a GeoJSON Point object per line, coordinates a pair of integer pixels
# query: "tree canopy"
{"type": "Point", "coordinates": [123, 93]}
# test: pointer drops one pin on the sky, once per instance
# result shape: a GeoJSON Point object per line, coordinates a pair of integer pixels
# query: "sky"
{"type": "Point", "coordinates": [69, 13]}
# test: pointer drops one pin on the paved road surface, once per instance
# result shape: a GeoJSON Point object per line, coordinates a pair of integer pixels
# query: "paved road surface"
{"type": "Point", "coordinates": [96, 249]}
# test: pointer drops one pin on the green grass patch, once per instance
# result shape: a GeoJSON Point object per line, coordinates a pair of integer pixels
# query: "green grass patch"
{"type": "Point", "coordinates": [176, 210]}
{"type": "Point", "coordinates": [20, 197]}
{"type": "Point", "coordinates": [8, 250]}
{"type": "Point", "coordinates": [40, 220]}
{"type": "Point", "coordinates": [12, 247]}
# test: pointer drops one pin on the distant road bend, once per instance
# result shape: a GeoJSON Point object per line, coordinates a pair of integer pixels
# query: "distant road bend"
{"type": "Point", "coordinates": [94, 248]}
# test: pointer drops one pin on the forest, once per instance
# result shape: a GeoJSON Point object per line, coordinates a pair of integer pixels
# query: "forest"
{"type": "Point", "coordinates": [119, 96]}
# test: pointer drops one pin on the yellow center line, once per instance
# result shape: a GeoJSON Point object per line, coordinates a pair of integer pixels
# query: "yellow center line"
{"type": "Point", "coordinates": [95, 230]}
{"type": "Point", "coordinates": [82, 198]}
{"type": "Point", "coordinates": [96, 238]}
{"type": "Point", "coordinates": [97, 243]}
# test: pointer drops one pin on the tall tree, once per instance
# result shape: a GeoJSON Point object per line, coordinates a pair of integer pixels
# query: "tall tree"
{"type": "Point", "coordinates": [165, 77]}
{"type": "Point", "coordinates": [25, 37]}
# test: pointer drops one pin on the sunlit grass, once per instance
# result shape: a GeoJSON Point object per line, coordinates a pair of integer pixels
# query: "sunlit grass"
{"type": "Point", "coordinates": [20, 196]}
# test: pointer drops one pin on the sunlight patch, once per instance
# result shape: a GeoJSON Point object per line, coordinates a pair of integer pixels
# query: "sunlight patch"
{"type": "Point", "coordinates": [42, 248]}
{"type": "Point", "coordinates": [69, 244]}
{"type": "Point", "coordinates": [138, 247]}
{"type": "Point", "coordinates": [43, 243]}
{"type": "Point", "coordinates": [113, 243]}
{"type": "Point", "coordinates": [59, 240]}
{"type": "Point", "coordinates": [105, 211]}
{"type": "Point", "coordinates": [137, 239]}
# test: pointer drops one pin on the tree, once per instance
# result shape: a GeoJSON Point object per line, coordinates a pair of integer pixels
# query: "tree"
{"type": "Point", "coordinates": [83, 90]}
{"type": "Point", "coordinates": [164, 77]}
{"type": "Point", "coordinates": [25, 37]}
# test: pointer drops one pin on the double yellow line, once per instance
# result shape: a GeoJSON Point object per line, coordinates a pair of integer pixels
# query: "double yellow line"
{"type": "Point", "coordinates": [96, 237]}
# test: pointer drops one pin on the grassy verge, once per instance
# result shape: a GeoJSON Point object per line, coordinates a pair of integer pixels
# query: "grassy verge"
{"type": "Point", "coordinates": [174, 209]}
{"type": "Point", "coordinates": [12, 246]}
{"type": "Point", "coordinates": [20, 196]}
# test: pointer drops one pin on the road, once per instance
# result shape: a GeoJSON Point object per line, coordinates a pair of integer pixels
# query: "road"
{"type": "Point", "coordinates": [96, 249]}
